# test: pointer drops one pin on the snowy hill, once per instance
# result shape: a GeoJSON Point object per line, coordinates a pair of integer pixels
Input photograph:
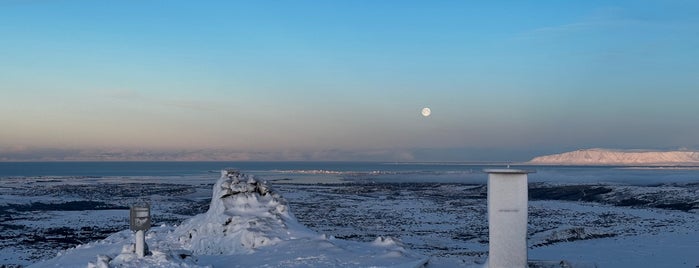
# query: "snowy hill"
{"type": "Point", "coordinates": [617, 157]}
{"type": "Point", "coordinates": [247, 225]}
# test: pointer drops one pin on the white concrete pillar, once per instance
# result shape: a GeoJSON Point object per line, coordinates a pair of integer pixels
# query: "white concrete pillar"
{"type": "Point", "coordinates": [507, 218]}
{"type": "Point", "coordinates": [140, 243]}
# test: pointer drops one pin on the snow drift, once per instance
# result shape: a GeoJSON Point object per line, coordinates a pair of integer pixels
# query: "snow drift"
{"type": "Point", "coordinates": [247, 225]}
{"type": "Point", "coordinates": [616, 157]}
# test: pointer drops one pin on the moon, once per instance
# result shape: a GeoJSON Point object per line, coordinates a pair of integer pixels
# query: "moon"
{"type": "Point", "coordinates": [426, 112]}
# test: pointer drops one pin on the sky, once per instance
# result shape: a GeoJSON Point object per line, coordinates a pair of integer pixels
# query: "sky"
{"type": "Point", "coordinates": [345, 80]}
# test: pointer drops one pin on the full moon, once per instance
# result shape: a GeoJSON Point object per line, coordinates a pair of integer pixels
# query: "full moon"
{"type": "Point", "coordinates": [426, 112]}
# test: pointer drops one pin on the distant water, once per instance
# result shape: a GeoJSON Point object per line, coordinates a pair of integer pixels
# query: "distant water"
{"type": "Point", "coordinates": [373, 171]}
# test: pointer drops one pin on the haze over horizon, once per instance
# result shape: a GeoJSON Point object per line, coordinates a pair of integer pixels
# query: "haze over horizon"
{"type": "Point", "coordinates": [345, 80]}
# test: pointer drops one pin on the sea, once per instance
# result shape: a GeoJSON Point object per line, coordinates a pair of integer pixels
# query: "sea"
{"type": "Point", "coordinates": [333, 172]}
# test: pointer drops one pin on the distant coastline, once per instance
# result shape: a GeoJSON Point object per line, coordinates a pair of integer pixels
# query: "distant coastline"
{"type": "Point", "coordinates": [611, 157]}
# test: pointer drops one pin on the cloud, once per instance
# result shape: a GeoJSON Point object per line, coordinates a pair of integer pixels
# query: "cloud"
{"type": "Point", "coordinates": [125, 95]}
{"type": "Point", "coordinates": [36, 154]}
{"type": "Point", "coordinates": [56, 154]}
{"type": "Point", "coordinates": [14, 149]}
{"type": "Point", "coordinates": [389, 155]}
{"type": "Point", "coordinates": [601, 19]}
{"type": "Point", "coordinates": [191, 105]}
{"type": "Point", "coordinates": [361, 155]}
{"type": "Point", "coordinates": [186, 104]}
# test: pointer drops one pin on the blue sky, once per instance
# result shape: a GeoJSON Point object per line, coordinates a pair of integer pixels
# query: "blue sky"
{"type": "Point", "coordinates": [344, 80]}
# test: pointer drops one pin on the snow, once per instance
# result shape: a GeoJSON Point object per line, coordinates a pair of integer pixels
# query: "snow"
{"type": "Point", "coordinates": [617, 157]}
{"type": "Point", "coordinates": [676, 249]}
{"type": "Point", "coordinates": [247, 225]}
{"type": "Point", "coordinates": [445, 221]}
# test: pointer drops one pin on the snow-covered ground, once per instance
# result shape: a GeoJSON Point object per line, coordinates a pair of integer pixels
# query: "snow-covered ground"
{"type": "Point", "coordinates": [246, 225]}
{"type": "Point", "coordinates": [447, 221]}
{"type": "Point", "coordinates": [356, 223]}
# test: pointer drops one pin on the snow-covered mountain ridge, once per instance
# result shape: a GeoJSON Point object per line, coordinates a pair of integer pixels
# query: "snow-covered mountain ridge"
{"type": "Point", "coordinates": [618, 157]}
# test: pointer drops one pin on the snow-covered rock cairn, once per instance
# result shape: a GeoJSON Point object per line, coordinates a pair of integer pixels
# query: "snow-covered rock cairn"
{"type": "Point", "coordinates": [244, 214]}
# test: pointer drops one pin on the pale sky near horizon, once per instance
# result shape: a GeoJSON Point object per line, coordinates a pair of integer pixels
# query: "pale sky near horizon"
{"type": "Point", "coordinates": [511, 78]}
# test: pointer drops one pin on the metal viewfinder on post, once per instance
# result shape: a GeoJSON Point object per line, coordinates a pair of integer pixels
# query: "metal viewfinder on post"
{"type": "Point", "coordinates": [140, 217]}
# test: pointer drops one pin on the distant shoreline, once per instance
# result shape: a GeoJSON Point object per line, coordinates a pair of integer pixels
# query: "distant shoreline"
{"type": "Point", "coordinates": [609, 157]}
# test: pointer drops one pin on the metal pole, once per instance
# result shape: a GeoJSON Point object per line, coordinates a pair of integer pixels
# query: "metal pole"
{"type": "Point", "coordinates": [140, 221]}
{"type": "Point", "coordinates": [140, 243]}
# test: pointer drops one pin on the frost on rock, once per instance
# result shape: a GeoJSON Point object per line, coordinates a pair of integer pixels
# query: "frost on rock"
{"type": "Point", "coordinates": [567, 234]}
{"type": "Point", "coordinates": [244, 215]}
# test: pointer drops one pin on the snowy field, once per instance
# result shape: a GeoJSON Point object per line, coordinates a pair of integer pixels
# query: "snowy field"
{"type": "Point", "coordinates": [613, 225]}
{"type": "Point", "coordinates": [607, 224]}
